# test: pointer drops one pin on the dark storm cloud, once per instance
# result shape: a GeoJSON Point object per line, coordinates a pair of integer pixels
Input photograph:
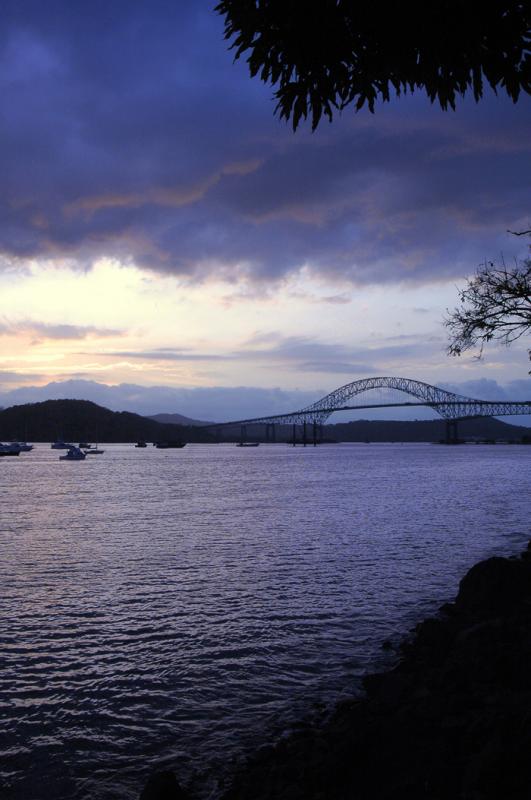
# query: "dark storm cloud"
{"type": "Point", "coordinates": [128, 132]}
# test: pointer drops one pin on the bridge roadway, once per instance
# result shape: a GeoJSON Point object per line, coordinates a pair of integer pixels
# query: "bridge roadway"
{"type": "Point", "coordinates": [287, 419]}
{"type": "Point", "coordinates": [452, 407]}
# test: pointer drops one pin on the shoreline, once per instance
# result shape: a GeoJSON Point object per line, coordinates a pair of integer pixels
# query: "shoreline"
{"type": "Point", "coordinates": [452, 718]}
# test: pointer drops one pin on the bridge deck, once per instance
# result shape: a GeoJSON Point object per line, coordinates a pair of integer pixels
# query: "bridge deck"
{"type": "Point", "coordinates": [472, 409]}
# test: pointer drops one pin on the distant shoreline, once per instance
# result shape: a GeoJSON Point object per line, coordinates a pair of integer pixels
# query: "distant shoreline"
{"type": "Point", "coordinates": [84, 421]}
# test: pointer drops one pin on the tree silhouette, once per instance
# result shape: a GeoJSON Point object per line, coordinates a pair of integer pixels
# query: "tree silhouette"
{"type": "Point", "coordinates": [323, 55]}
{"type": "Point", "coordinates": [494, 305]}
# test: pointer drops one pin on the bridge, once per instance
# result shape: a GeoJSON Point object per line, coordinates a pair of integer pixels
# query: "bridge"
{"type": "Point", "coordinates": [451, 407]}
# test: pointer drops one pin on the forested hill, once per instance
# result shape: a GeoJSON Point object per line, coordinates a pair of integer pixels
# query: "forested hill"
{"type": "Point", "coordinates": [177, 419]}
{"type": "Point", "coordinates": [81, 420]}
{"type": "Point", "coordinates": [424, 430]}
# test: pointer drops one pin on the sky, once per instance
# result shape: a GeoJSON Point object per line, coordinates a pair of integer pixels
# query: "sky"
{"type": "Point", "coordinates": [167, 244]}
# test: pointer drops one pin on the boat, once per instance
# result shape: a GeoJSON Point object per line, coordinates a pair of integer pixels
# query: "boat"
{"type": "Point", "coordinates": [94, 451]}
{"type": "Point", "coordinates": [24, 447]}
{"type": "Point", "coordinates": [60, 445]}
{"type": "Point", "coordinates": [248, 444]}
{"type": "Point", "coordinates": [84, 446]}
{"type": "Point", "coordinates": [141, 444]}
{"type": "Point", "coordinates": [74, 454]}
{"type": "Point", "coordinates": [9, 449]}
{"type": "Point", "coordinates": [169, 444]}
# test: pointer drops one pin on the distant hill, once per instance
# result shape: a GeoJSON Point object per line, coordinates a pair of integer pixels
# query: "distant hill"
{"type": "Point", "coordinates": [422, 430]}
{"type": "Point", "coordinates": [177, 419]}
{"type": "Point", "coordinates": [82, 420]}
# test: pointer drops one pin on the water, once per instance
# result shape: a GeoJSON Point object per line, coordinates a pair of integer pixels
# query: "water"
{"type": "Point", "coordinates": [176, 608]}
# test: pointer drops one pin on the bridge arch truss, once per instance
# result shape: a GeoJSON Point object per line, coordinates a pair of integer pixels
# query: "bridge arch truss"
{"type": "Point", "coordinates": [448, 405]}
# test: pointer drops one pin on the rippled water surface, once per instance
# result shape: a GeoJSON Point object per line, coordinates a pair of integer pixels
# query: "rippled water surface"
{"type": "Point", "coordinates": [175, 608]}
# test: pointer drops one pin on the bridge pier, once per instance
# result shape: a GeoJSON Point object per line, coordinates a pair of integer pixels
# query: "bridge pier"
{"type": "Point", "coordinates": [243, 434]}
{"type": "Point", "coordinates": [304, 438]}
{"type": "Point", "coordinates": [294, 434]}
{"type": "Point", "coordinates": [270, 433]}
{"type": "Point", "coordinates": [451, 431]}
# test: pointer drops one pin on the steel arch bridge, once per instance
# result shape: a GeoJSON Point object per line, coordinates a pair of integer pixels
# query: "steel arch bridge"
{"type": "Point", "coordinates": [451, 407]}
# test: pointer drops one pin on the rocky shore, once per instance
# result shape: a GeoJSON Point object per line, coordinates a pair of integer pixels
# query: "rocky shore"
{"type": "Point", "coordinates": [451, 720]}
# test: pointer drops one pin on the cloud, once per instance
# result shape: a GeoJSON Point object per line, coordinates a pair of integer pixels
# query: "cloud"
{"type": "Point", "coordinates": [294, 353]}
{"type": "Point", "coordinates": [166, 354]}
{"type": "Point", "coordinates": [335, 299]}
{"type": "Point", "coordinates": [489, 389]}
{"type": "Point", "coordinates": [7, 377]}
{"type": "Point", "coordinates": [337, 367]}
{"type": "Point", "coordinates": [44, 330]}
{"type": "Point", "coordinates": [342, 298]}
{"type": "Point", "coordinates": [132, 135]}
{"type": "Point", "coordinates": [306, 351]}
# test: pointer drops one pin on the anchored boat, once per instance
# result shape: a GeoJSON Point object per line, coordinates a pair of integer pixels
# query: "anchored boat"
{"type": "Point", "coordinates": [74, 454]}
{"type": "Point", "coordinates": [9, 449]}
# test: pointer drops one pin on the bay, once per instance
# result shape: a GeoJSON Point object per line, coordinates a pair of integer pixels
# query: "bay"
{"type": "Point", "coordinates": [175, 609]}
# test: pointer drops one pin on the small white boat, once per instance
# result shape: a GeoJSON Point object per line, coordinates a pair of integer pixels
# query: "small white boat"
{"type": "Point", "coordinates": [60, 445]}
{"type": "Point", "coordinates": [94, 451]}
{"type": "Point", "coordinates": [74, 454]}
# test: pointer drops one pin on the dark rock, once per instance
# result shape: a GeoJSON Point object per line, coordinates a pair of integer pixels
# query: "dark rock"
{"type": "Point", "coordinates": [163, 786]}
{"type": "Point", "coordinates": [451, 720]}
{"type": "Point", "coordinates": [447, 609]}
{"type": "Point", "coordinates": [493, 586]}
